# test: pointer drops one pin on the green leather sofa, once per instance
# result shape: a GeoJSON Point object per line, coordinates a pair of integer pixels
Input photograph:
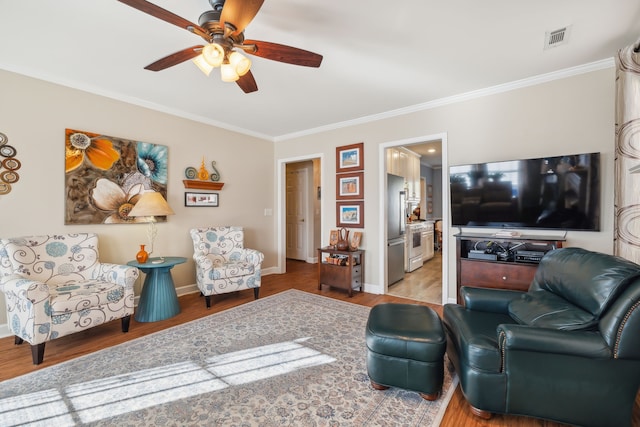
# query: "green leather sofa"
{"type": "Point", "coordinates": [567, 350]}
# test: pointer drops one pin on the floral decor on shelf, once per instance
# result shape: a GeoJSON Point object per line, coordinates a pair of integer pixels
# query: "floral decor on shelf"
{"type": "Point", "coordinates": [202, 173]}
{"type": "Point", "coordinates": [201, 178]}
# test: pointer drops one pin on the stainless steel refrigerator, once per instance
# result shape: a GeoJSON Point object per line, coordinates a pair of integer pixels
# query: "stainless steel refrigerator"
{"type": "Point", "coordinates": [396, 224]}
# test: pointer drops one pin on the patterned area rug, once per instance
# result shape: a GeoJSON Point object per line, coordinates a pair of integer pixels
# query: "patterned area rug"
{"type": "Point", "coordinates": [291, 359]}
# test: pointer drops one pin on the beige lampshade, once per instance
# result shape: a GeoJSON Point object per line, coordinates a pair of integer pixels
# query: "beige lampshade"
{"type": "Point", "coordinates": [151, 204]}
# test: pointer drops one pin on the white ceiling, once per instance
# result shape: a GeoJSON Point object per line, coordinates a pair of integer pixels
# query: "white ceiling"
{"type": "Point", "coordinates": [379, 56]}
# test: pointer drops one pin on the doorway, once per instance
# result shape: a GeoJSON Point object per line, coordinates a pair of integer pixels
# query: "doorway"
{"type": "Point", "coordinates": [428, 283]}
{"type": "Point", "coordinates": [299, 181]}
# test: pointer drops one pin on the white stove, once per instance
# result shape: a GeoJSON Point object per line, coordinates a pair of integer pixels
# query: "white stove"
{"type": "Point", "coordinates": [414, 245]}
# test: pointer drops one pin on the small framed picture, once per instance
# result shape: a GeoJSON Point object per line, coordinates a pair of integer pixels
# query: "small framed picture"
{"type": "Point", "coordinates": [333, 237]}
{"type": "Point", "coordinates": [350, 214]}
{"type": "Point", "coordinates": [429, 207]}
{"type": "Point", "coordinates": [349, 158]}
{"type": "Point", "coordinates": [356, 237]}
{"type": "Point", "coordinates": [429, 191]}
{"type": "Point", "coordinates": [350, 186]}
{"type": "Point", "coordinates": [201, 199]}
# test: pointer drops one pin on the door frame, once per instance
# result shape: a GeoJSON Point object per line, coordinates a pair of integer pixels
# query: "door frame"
{"type": "Point", "coordinates": [281, 197]}
{"type": "Point", "coordinates": [382, 158]}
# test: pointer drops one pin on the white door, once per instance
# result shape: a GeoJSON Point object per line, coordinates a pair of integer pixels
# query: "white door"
{"type": "Point", "coordinates": [297, 196]}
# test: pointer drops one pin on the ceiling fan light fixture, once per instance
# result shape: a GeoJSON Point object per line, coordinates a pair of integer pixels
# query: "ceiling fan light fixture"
{"type": "Point", "coordinates": [201, 63]}
{"type": "Point", "coordinates": [213, 53]}
{"type": "Point", "coordinates": [241, 63]}
{"type": "Point", "coordinates": [228, 73]}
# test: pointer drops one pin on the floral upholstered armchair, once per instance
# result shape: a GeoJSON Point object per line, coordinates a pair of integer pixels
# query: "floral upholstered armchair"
{"type": "Point", "coordinates": [223, 264]}
{"type": "Point", "coordinates": [55, 285]}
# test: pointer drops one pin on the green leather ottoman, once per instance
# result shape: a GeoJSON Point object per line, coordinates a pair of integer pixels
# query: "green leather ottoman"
{"type": "Point", "coordinates": [405, 348]}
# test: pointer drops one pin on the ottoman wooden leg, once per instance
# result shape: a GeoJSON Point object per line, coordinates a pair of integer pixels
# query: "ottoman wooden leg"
{"type": "Point", "coordinates": [378, 386]}
{"type": "Point", "coordinates": [430, 396]}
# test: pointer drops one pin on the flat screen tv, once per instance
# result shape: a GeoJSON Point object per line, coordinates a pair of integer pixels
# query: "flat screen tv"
{"type": "Point", "coordinates": [551, 193]}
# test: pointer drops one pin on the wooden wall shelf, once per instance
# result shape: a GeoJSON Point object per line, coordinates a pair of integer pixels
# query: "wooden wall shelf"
{"type": "Point", "coordinates": [202, 185]}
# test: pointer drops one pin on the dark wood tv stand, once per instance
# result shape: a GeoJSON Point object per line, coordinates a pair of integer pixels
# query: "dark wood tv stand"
{"type": "Point", "coordinates": [496, 262]}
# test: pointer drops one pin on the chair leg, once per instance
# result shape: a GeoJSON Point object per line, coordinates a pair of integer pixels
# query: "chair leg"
{"type": "Point", "coordinates": [126, 321]}
{"type": "Point", "coordinates": [430, 396]}
{"type": "Point", "coordinates": [207, 299]}
{"type": "Point", "coordinates": [17, 340]}
{"type": "Point", "coordinates": [377, 386]}
{"type": "Point", "coordinates": [480, 413]}
{"type": "Point", "coordinates": [37, 353]}
{"type": "Point", "coordinates": [256, 292]}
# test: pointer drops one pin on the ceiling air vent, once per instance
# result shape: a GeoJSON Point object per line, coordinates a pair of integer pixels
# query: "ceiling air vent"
{"type": "Point", "coordinates": [556, 38]}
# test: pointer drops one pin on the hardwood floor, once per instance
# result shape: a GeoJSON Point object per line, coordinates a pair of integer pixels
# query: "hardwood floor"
{"type": "Point", "coordinates": [15, 360]}
{"type": "Point", "coordinates": [423, 284]}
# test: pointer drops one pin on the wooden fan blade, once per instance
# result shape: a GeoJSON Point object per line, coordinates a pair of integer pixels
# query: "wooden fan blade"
{"type": "Point", "coordinates": [175, 58]}
{"type": "Point", "coordinates": [165, 15]}
{"type": "Point", "coordinates": [239, 13]}
{"type": "Point", "coordinates": [282, 53]}
{"type": "Point", "coordinates": [247, 83]}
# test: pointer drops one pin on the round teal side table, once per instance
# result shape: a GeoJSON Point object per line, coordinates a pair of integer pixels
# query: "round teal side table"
{"type": "Point", "coordinates": [158, 300]}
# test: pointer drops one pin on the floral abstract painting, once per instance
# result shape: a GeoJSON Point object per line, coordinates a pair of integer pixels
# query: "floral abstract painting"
{"type": "Point", "coordinates": [105, 176]}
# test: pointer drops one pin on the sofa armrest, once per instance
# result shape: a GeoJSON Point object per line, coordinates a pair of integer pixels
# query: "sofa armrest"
{"type": "Point", "coordinates": [122, 275]}
{"type": "Point", "coordinates": [24, 288]}
{"type": "Point", "coordinates": [203, 261]}
{"type": "Point", "coordinates": [484, 299]}
{"type": "Point", "coordinates": [253, 256]}
{"type": "Point", "coordinates": [589, 344]}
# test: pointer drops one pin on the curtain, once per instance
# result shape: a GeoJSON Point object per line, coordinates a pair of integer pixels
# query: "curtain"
{"type": "Point", "coordinates": [627, 160]}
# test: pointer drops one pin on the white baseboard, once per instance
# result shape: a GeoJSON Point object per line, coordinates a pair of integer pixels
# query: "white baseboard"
{"type": "Point", "coordinates": [4, 330]}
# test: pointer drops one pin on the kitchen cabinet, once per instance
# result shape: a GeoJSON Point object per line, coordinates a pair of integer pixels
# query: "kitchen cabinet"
{"type": "Point", "coordinates": [405, 163]}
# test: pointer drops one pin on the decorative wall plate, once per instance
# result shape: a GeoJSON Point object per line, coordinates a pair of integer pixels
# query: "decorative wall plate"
{"type": "Point", "coordinates": [11, 163]}
{"type": "Point", "coordinates": [3, 138]}
{"type": "Point", "coordinates": [7, 151]}
{"type": "Point", "coordinates": [4, 188]}
{"type": "Point", "coordinates": [9, 177]}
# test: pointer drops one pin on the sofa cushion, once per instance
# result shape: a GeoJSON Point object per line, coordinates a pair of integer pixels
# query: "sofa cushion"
{"type": "Point", "coordinates": [81, 295]}
{"type": "Point", "coordinates": [231, 269]}
{"type": "Point", "coordinates": [544, 309]}
{"type": "Point", "coordinates": [586, 279]}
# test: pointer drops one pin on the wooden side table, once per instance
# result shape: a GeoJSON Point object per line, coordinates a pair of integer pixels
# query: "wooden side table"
{"type": "Point", "coordinates": [349, 276]}
{"type": "Point", "coordinates": [158, 300]}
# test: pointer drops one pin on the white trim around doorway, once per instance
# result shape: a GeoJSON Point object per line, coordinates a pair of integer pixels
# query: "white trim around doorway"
{"type": "Point", "coordinates": [281, 191]}
{"type": "Point", "coordinates": [382, 264]}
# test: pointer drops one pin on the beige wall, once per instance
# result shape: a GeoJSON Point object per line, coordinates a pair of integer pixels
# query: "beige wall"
{"type": "Point", "coordinates": [571, 115]}
{"type": "Point", "coordinates": [34, 115]}
{"type": "Point", "coordinates": [574, 114]}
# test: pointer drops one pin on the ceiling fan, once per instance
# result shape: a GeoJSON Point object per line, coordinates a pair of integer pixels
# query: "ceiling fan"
{"type": "Point", "coordinates": [223, 30]}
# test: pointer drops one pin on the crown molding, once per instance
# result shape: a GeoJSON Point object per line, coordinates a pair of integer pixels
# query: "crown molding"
{"type": "Point", "coordinates": [493, 90]}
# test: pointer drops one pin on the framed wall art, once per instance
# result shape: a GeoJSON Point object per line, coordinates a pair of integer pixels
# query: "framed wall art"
{"type": "Point", "coordinates": [201, 199]}
{"type": "Point", "coordinates": [349, 158]}
{"type": "Point", "coordinates": [350, 214]}
{"type": "Point", "coordinates": [350, 186]}
{"type": "Point", "coordinates": [105, 176]}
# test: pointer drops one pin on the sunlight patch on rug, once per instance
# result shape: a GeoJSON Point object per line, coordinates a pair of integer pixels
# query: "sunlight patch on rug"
{"type": "Point", "coordinates": [105, 398]}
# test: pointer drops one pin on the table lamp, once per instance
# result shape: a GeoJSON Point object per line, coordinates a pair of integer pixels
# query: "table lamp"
{"type": "Point", "coordinates": [151, 205]}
